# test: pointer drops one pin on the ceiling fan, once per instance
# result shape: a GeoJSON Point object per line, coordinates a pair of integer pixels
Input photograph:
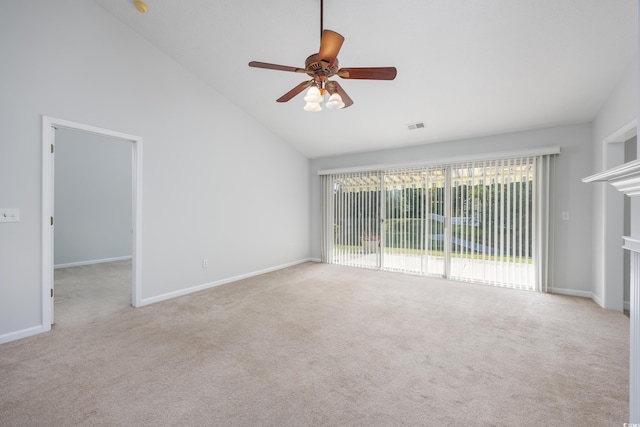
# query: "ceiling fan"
{"type": "Point", "coordinates": [321, 67]}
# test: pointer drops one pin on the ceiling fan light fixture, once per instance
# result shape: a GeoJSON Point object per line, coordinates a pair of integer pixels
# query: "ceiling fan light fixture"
{"type": "Point", "coordinates": [335, 102]}
{"type": "Point", "coordinates": [323, 65]}
{"type": "Point", "coordinates": [141, 6]}
{"type": "Point", "coordinates": [313, 95]}
{"type": "Point", "coordinates": [313, 107]}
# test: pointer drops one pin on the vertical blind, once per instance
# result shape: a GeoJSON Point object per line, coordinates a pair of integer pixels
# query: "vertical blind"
{"type": "Point", "coordinates": [492, 213]}
{"type": "Point", "coordinates": [414, 212]}
{"type": "Point", "coordinates": [352, 237]}
{"type": "Point", "coordinates": [483, 221]}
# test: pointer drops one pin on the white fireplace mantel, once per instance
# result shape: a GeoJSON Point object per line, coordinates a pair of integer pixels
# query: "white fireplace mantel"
{"type": "Point", "coordinates": [626, 179]}
{"type": "Point", "coordinates": [631, 244]}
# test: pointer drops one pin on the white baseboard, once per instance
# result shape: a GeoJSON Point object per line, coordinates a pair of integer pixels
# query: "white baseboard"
{"type": "Point", "coordinates": [315, 260]}
{"type": "Point", "coordinates": [93, 261]}
{"type": "Point", "coordinates": [598, 300]}
{"type": "Point", "coordinates": [594, 297]}
{"type": "Point", "coordinates": [583, 294]}
{"type": "Point", "coordinates": [182, 292]}
{"type": "Point", "coordinates": [573, 293]}
{"type": "Point", "coordinates": [12, 336]}
{"type": "Point", "coordinates": [24, 333]}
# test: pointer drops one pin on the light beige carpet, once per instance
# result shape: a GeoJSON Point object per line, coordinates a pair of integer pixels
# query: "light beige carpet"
{"type": "Point", "coordinates": [323, 345]}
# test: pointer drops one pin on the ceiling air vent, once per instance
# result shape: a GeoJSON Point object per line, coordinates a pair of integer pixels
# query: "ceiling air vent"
{"type": "Point", "coordinates": [414, 126]}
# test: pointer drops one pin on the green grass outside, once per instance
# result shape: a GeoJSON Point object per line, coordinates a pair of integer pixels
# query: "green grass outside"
{"type": "Point", "coordinates": [513, 259]}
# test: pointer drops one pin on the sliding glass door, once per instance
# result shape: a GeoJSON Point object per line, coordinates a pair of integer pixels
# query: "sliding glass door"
{"type": "Point", "coordinates": [476, 221]}
{"type": "Point", "coordinates": [357, 219]}
{"type": "Point", "coordinates": [492, 214]}
{"type": "Point", "coordinates": [414, 213]}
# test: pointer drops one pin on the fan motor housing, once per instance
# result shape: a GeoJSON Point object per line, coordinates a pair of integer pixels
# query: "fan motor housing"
{"type": "Point", "coordinates": [315, 66]}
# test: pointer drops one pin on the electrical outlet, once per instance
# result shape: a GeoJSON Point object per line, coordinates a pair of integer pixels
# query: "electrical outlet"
{"type": "Point", "coordinates": [205, 263]}
{"type": "Point", "coordinates": [9, 215]}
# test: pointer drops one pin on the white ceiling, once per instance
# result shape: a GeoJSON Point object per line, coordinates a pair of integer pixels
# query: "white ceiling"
{"type": "Point", "coordinates": [465, 67]}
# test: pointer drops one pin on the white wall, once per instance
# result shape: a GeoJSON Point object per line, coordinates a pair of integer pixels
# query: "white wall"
{"type": "Point", "coordinates": [572, 239]}
{"type": "Point", "coordinates": [93, 204]}
{"type": "Point", "coordinates": [608, 150]}
{"type": "Point", "coordinates": [215, 184]}
{"type": "Point", "coordinates": [630, 154]}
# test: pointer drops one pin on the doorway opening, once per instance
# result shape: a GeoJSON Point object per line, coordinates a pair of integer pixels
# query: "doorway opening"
{"type": "Point", "coordinates": [57, 251]}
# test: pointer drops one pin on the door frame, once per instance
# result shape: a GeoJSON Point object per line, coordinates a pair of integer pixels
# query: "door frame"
{"type": "Point", "coordinates": [49, 125]}
{"type": "Point", "coordinates": [611, 222]}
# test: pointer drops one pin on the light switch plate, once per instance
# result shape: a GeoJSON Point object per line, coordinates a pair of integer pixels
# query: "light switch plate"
{"type": "Point", "coordinates": [9, 215]}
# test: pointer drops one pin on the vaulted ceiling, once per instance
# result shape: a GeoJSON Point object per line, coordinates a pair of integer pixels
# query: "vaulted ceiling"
{"type": "Point", "coordinates": [465, 67]}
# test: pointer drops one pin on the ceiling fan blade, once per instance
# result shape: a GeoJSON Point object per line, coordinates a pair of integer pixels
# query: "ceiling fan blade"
{"type": "Point", "coordinates": [373, 73]}
{"type": "Point", "coordinates": [296, 90]}
{"type": "Point", "coordinates": [333, 86]}
{"type": "Point", "coordinates": [257, 64]}
{"type": "Point", "coordinates": [330, 45]}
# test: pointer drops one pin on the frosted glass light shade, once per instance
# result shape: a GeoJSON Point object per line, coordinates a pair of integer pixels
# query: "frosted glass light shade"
{"type": "Point", "coordinates": [335, 102]}
{"type": "Point", "coordinates": [313, 95]}
{"type": "Point", "coordinates": [312, 106]}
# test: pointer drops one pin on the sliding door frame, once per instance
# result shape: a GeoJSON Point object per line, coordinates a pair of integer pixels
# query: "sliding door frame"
{"type": "Point", "coordinates": [451, 163]}
{"type": "Point", "coordinates": [383, 218]}
{"type": "Point", "coordinates": [447, 223]}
